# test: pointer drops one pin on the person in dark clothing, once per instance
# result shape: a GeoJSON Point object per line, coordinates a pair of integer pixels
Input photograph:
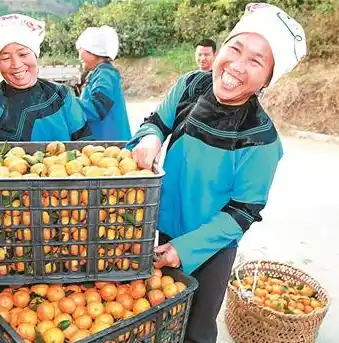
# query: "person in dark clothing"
{"type": "Point", "coordinates": [205, 52]}
{"type": "Point", "coordinates": [33, 109]}
{"type": "Point", "coordinates": [222, 155]}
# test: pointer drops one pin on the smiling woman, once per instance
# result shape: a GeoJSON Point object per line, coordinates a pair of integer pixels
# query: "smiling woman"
{"type": "Point", "coordinates": [33, 109]}
{"type": "Point", "coordinates": [222, 155]}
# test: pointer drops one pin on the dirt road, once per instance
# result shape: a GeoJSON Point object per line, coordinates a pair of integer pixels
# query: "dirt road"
{"type": "Point", "coordinates": [300, 223]}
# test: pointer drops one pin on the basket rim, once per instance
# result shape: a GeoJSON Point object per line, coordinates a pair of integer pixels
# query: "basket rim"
{"type": "Point", "coordinates": [313, 314]}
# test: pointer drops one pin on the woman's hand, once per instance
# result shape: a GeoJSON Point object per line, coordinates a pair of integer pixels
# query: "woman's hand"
{"type": "Point", "coordinates": [167, 256]}
{"type": "Point", "coordinates": [146, 151]}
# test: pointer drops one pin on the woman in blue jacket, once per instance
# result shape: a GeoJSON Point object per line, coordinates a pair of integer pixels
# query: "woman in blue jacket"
{"type": "Point", "coordinates": [222, 155]}
{"type": "Point", "coordinates": [33, 109]}
{"type": "Point", "coordinates": [102, 95]}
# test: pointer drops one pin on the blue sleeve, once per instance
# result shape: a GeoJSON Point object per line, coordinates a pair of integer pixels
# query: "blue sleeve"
{"type": "Point", "coordinates": [160, 122]}
{"type": "Point", "coordinates": [76, 121]}
{"type": "Point", "coordinates": [97, 99]}
{"type": "Point", "coordinates": [252, 182]}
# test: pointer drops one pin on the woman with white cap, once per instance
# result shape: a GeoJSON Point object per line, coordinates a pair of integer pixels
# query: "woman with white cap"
{"type": "Point", "coordinates": [33, 109]}
{"type": "Point", "coordinates": [222, 155]}
{"type": "Point", "coordinates": [102, 96]}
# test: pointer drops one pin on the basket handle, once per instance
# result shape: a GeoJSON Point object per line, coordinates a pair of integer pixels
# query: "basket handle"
{"type": "Point", "coordinates": [243, 293]}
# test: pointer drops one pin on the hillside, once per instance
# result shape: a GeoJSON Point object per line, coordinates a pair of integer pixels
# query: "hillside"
{"type": "Point", "coordinates": [59, 8]}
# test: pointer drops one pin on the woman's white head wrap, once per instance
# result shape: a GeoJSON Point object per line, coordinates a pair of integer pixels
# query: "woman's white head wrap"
{"type": "Point", "coordinates": [21, 29]}
{"type": "Point", "coordinates": [285, 35]}
{"type": "Point", "coordinates": [101, 41]}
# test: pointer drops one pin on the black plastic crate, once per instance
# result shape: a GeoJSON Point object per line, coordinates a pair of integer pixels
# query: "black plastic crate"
{"type": "Point", "coordinates": [165, 323]}
{"type": "Point", "coordinates": [77, 229]}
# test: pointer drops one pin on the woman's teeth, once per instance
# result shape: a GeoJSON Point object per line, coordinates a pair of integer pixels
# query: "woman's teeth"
{"type": "Point", "coordinates": [229, 81]}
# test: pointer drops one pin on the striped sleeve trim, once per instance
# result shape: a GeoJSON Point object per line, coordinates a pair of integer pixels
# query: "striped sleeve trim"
{"type": "Point", "coordinates": [245, 214]}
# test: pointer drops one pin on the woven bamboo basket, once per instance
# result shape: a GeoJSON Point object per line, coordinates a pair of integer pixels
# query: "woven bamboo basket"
{"type": "Point", "coordinates": [250, 323]}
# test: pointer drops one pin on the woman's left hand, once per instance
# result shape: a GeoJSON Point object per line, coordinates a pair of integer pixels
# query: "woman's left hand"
{"type": "Point", "coordinates": [167, 256]}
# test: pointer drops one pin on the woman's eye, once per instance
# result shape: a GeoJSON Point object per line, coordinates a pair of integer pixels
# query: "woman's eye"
{"type": "Point", "coordinates": [235, 49]}
{"type": "Point", "coordinates": [256, 62]}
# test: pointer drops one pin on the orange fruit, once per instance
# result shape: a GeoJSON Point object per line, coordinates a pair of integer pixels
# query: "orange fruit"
{"type": "Point", "coordinates": [157, 272]}
{"type": "Point", "coordinates": [55, 293]}
{"type": "Point", "coordinates": [300, 306]}
{"type": "Point", "coordinates": [154, 282]}
{"type": "Point", "coordinates": [306, 291]}
{"type": "Point", "coordinates": [141, 305]}
{"type": "Point", "coordinates": [4, 313]}
{"type": "Point", "coordinates": [126, 301]}
{"type": "Point", "coordinates": [79, 311]}
{"type": "Point", "coordinates": [170, 290]}
{"type": "Point", "coordinates": [78, 298]}
{"type": "Point", "coordinates": [44, 325]}
{"type": "Point", "coordinates": [123, 289]}
{"type": "Point", "coordinates": [67, 305]}
{"type": "Point", "coordinates": [84, 322]}
{"type": "Point", "coordinates": [127, 314]}
{"type": "Point", "coordinates": [7, 290]}
{"type": "Point", "coordinates": [28, 316]}
{"type": "Point", "coordinates": [94, 309]}
{"type": "Point", "coordinates": [97, 327]}
{"type": "Point", "coordinates": [6, 301]}
{"type": "Point", "coordinates": [308, 309]}
{"type": "Point", "coordinates": [53, 335]}
{"type": "Point", "coordinates": [40, 289]}
{"type": "Point", "coordinates": [56, 308]}
{"type": "Point", "coordinates": [115, 309]}
{"type": "Point", "coordinates": [257, 300]}
{"type": "Point", "coordinates": [165, 280]}
{"type": "Point", "coordinates": [21, 299]}
{"type": "Point", "coordinates": [100, 284]}
{"type": "Point", "coordinates": [79, 335]}
{"type": "Point", "coordinates": [73, 288]}
{"type": "Point", "coordinates": [104, 318]}
{"type": "Point", "coordinates": [14, 316]}
{"type": "Point", "coordinates": [155, 297]}
{"type": "Point", "coordinates": [180, 286]}
{"type": "Point", "coordinates": [108, 292]}
{"type": "Point", "coordinates": [138, 291]}
{"type": "Point", "coordinates": [45, 311]}
{"type": "Point", "coordinates": [62, 317]}
{"type": "Point", "coordinates": [92, 296]}
{"type": "Point", "coordinates": [315, 303]}
{"type": "Point", "coordinates": [26, 331]}
{"type": "Point", "coordinates": [262, 293]}
{"type": "Point", "coordinates": [70, 331]}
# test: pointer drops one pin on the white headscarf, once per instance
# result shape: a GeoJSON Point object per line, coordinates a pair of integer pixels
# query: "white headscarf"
{"type": "Point", "coordinates": [17, 28]}
{"type": "Point", "coordinates": [285, 36]}
{"type": "Point", "coordinates": [101, 41]}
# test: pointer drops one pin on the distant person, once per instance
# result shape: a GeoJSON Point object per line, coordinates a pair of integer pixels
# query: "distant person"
{"type": "Point", "coordinates": [33, 109]}
{"type": "Point", "coordinates": [205, 52]}
{"type": "Point", "coordinates": [102, 96]}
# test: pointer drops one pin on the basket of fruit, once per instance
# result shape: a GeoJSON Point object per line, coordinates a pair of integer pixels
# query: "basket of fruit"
{"type": "Point", "coordinates": [271, 302]}
{"type": "Point", "coordinates": [75, 212]}
{"type": "Point", "coordinates": [155, 310]}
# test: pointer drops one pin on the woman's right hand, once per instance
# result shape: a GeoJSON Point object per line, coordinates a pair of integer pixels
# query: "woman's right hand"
{"type": "Point", "coordinates": [146, 151]}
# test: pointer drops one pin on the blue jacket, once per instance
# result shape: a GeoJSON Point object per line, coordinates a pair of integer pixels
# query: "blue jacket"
{"type": "Point", "coordinates": [45, 112]}
{"type": "Point", "coordinates": [104, 104]}
{"type": "Point", "coordinates": [219, 166]}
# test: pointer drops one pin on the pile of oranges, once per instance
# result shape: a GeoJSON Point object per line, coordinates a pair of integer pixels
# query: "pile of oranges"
{"type": "Point", "coordinates": [279, 295]}
{"type": "Point", "coordinates": [68, 313]}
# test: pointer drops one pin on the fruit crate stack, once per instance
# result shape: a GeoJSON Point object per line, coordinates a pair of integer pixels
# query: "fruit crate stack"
{"type": "Point", "coordinates": [84, 212]}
